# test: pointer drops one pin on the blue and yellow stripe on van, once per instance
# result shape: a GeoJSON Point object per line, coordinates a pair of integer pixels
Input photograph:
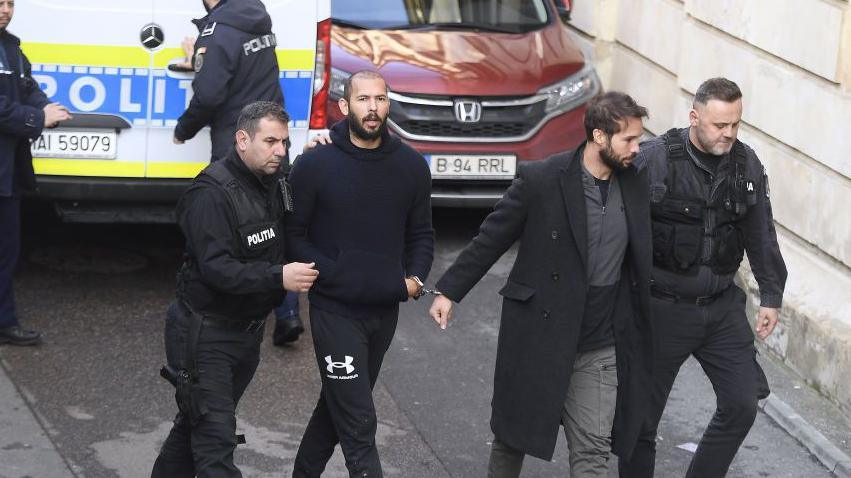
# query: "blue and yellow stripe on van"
{"type": "Point", "coordinates": [134, 84]}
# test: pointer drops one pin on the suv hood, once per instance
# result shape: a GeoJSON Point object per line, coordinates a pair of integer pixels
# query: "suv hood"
{"type": "Point", "coordinates": [459, 63]}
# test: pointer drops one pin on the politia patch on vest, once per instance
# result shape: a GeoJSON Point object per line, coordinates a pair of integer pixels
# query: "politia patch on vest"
{"type": "Point", "coordinates": [254, 240]}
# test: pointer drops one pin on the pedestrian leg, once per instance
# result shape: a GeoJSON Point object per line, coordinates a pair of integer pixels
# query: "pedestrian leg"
{"type": "Point", "coordinates": [680, 329]}
{"type": "Point", "coordinates": [589, 412]}
{"type": "Point", "coordinates": [728, 358]}
{"type": "Point", "coordinates": [504, 462]}
{"type": "Point", "coordinates": [10, 246]}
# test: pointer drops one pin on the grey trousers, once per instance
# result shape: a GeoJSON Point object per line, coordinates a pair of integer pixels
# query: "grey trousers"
{"type": "Point", "coordinates": [587, 416]}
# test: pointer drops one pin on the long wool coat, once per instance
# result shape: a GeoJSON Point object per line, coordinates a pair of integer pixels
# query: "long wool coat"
{"type": "Point", "coordinates": [544, 301]}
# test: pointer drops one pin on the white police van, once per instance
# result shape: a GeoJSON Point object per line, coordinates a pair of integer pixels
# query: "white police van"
{"type": "Point", "coordinates": [107, 61]}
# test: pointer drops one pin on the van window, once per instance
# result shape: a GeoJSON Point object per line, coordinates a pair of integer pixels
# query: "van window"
{"type": "Point", "coordinates": [498, 15]}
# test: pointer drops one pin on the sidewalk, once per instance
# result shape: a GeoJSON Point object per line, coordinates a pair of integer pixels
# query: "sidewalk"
{"type": "Point", "coordinates": [807, 416]}
{"type": "Point", "coordinates": [25, 449]}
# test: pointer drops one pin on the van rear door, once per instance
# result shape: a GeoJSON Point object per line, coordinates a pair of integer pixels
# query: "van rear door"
{"type": "Point", "coordinates": [294, 25]}
{"type": "Point", "coordinates": [89, 56]}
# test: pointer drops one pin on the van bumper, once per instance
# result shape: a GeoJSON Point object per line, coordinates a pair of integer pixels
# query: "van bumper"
{"type": "Point", "coordinates": [111, 200]}
{"type": "Point", "coordinates": [123, 190]}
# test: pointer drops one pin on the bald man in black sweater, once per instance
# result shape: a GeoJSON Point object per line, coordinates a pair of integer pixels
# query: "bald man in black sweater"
{"type": "Point", "coordinates": [362, 213]}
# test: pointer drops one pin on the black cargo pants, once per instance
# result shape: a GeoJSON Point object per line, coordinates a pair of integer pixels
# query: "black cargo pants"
{"type": "Point", "coordinates": [720, 338]}
{"type": "Point", "coordinates": [349, 352]}
{"type": "Point", "coordinates": [226, 360]}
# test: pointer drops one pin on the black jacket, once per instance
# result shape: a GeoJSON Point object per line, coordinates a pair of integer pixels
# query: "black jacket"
{"type": "Point", "coordinates": [544, 301]}
{"type": "Point", "coordinates": [21, 118]}
{"type": "Point", "coordinates": [233, 224]}
{"type": "Point", "coordinates": [235, 64]}
{"type": "Point", "coordinates": [364, 217]}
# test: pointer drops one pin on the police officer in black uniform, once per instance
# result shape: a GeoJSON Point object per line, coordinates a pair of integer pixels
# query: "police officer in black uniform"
{"type": "Point", "coordinates": [709, 204]}
{"type": "Point", "coordinates": [235, 64]}
{"type": "Point", "coordinates": [24, 112]}
{"type": "Point", "coordinates": [232, 276]}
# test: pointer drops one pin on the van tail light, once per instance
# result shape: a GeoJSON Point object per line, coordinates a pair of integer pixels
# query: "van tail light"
{"type": "Point", "coordinates": [321, 76]}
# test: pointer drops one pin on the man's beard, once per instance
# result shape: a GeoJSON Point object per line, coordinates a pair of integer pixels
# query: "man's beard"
{"type": "Point", "coordinates": [356, 126]}
{"type": "Point", "coordinates": [611, 160]}
{"type": "Point", "coordinates": [719, 149]}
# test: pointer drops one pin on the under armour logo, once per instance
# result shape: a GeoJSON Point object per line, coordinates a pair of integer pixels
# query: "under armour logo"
{"type": "Point", "coordinates": [347, 364]}
{"type": "Point", "coordinates": [750, 186]}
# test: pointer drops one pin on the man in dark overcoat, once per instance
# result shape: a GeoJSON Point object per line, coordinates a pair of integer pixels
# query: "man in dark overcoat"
{"type": "Point", "coordinates": [575, 341]}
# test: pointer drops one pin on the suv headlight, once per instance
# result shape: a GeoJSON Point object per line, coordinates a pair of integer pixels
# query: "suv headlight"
{"type": "Point", "coordinates": [338, 83]}
{"type": "Point", "coordinates": [572, 91]}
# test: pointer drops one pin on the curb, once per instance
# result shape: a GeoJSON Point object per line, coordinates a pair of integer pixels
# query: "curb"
{"type": "Point", "coordinates": [834, 459]}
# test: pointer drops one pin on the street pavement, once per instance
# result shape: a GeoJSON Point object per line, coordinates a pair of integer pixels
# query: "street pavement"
{"type": "Point", "coordinates": [89, 401]}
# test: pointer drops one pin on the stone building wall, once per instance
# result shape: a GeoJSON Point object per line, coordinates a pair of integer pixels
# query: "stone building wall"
{"type": "Point", "coordinates": [792, 59]}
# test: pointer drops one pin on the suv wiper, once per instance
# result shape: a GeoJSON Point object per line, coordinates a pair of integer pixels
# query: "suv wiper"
{"type": "Point", "coordinates": [454, 26]}
{"type": "Point", "coordinates": [348, 24]}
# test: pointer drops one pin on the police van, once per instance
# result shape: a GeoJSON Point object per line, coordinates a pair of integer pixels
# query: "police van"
{"type": "Point", "coordinates": [108, 62]}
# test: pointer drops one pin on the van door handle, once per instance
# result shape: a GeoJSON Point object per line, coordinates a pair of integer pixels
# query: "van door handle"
{"type": "Point", "coordinates": [184, 65]}
{"type": "Point", "coordinates": [180, 66]}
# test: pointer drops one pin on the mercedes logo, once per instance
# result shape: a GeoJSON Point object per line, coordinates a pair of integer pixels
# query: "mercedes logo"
{"type": "Point", "coordinates": [152, 36]}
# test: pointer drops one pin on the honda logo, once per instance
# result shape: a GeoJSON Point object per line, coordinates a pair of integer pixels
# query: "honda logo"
{"type": "Point", "coordinates": [468, 111]}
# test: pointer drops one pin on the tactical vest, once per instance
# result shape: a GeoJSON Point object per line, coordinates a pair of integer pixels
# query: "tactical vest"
{"type": "Point", "coordinates": [691, 228]}
{"type": "Point", "coordinates": [258, 231]}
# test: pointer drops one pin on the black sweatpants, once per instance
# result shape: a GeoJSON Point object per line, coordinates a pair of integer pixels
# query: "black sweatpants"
{"type": "Point", "coordinates": [226, 360]}
{"type": "Point", "coordinates": [720, 338]}
{"type": "Point", "coordinates": [349, 352]}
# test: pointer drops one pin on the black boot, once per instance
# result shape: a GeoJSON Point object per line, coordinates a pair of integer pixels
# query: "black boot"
{"type": "Point", "coordinates": [15, 335]}
{"type": "Point", "coordinates": [287, 329]}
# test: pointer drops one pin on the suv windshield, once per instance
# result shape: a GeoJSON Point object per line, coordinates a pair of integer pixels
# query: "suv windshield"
{"type": "Point", "coordinates": [513, 16]}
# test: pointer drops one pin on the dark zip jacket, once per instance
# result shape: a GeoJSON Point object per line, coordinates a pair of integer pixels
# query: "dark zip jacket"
{"type": "Point", "coordinates": [21, 117]}
{"type": "Point", "coordinates": [233, 224]}
{"type": "Point", "coordinates": [235, 64]}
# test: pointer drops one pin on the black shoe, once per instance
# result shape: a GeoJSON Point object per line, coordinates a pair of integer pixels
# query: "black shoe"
{"type": "Point", "coordinates": [15, 335]}
{"type": "Point", "coordinates": [287, 330]}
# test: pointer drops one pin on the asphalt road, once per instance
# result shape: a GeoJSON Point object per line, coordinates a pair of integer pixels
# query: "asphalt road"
{"type": "Point", "coordinates": [99, 294]}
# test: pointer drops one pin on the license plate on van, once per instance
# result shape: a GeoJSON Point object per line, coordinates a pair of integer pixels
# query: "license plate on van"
{"type": "Point", "coordinates": [75, 144]}
{"type": "Point", "coordinates": [472, 166]}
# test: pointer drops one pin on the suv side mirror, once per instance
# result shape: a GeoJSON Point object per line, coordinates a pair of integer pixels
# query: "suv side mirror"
{"type": "Point", "coordinates": [563, 9]}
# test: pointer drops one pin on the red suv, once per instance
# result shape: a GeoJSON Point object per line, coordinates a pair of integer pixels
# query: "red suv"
{"type": "Point", "coordinates": [475, 85]}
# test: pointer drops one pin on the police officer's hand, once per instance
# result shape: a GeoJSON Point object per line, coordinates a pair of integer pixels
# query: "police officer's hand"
{"type": "Point", "coordinates": [54, 113]}
{"type": "Point", "coordinates": [766, 319]}
{"type": "Point", "coordinates": [188, 46]}
{"type": "Point", "coordinates": [298, 276]}
{"type": "Point", "coordinates": [316, 141]}
{"type": "Point", "coordinates": [441, 310]}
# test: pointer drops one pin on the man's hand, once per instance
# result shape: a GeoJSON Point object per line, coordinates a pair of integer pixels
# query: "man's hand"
{"type": "Point", "coordinates": [441, 310]}
{"type": "Point", "coordinates": [54, 113]}
{"type": "Point", "coordinates": [188, 46]}
{"type": "Point", "coordinates": [412, 287]}
{"type": "Point", "coordinates": [176, 141]}
{"type": "Point", "coordinates": [316, 141]}
{"type": "Point", "coordinates": [766, 319]}
{"type": "Point", "coordinates": [298, 276]}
